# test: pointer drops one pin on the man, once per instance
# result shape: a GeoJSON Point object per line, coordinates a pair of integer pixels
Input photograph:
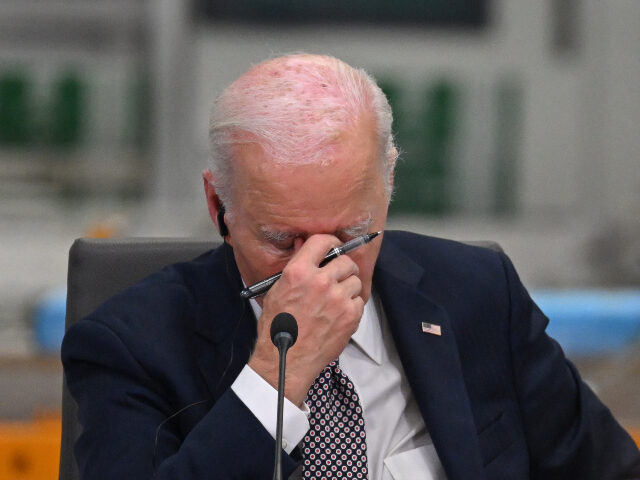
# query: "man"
{"type": "Point", "coordinates": [434, 348]}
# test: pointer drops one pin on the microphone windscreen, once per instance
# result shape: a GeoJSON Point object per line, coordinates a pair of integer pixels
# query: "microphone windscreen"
{"type": "Point", "coordinates": [284, 323]}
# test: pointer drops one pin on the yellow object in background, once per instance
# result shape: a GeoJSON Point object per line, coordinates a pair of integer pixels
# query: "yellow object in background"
{"type": "Point", "coordinates": [635, 434]}
{"type": "Point", "coordinates": [101, 230]}
{"type": "Point", "coordinates": [109, 226]}
{"type": "Point", "coordinates": [30, 450]}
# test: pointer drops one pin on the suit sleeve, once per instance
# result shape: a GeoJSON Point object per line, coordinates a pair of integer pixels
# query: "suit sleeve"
{"type": "Point", "coordinates": [570, 433]}
{"type": "Point", "coordinates": [121, 408]}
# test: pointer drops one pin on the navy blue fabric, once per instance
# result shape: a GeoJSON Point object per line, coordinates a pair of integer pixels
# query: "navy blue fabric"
{"type": "Point", "coordinates": [152, 367]}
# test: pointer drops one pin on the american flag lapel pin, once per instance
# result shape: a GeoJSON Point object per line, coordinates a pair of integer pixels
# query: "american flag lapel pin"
{"type": "Point", "coordinates": [431, 328]}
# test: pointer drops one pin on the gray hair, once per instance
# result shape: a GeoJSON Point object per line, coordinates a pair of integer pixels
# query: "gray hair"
{"type": "Point", "coordinates": [293, 107]}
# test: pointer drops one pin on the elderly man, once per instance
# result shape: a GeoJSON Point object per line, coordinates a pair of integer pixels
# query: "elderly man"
{"type": "Point", "coordinates": [416, 358]}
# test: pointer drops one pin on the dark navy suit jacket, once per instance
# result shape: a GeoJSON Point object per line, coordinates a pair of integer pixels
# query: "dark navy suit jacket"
{"type": "Point", "coordinates": [152, 367]}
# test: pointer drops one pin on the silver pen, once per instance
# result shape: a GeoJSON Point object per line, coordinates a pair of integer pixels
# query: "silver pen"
{"type": "Point", "coordinates": [263, 286]}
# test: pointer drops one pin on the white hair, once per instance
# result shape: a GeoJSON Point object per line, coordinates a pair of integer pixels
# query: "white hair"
{"type": "Point", "coordinates": [294, 107]}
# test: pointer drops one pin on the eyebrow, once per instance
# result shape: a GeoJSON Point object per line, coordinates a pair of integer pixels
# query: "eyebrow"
{"type": "Point", "coordinates": [359, 228]}
{"type": "Point", "coordinates": [276, 236]}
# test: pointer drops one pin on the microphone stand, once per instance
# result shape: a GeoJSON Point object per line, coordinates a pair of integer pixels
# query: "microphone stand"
{"type": "Point", "coordinates": [284, 333]}
{"type": "Point", "coordinates": [277, 470]}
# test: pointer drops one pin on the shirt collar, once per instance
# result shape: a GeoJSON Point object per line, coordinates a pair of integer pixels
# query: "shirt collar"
{"type": "Point", "coordinates": [367, 338]}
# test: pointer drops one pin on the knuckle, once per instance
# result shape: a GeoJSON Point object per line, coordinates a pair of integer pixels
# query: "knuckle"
{"type": "Point", "coordinates": [334, 296]}
{"type": "Point", "coordinates": [354, 286]}
{"type": "Point", "coordinates": [352, 267]}
{"type": "Point", "coordinates": [294, 272]}
{"type": "Point", "coordinates": [346, 261]}
{"type": "Point", "coordinates": [323, 281]}
{"type": "Point", "coordinates": [342, 261]}
{"type": "Point", "coordinates": [356, 269]}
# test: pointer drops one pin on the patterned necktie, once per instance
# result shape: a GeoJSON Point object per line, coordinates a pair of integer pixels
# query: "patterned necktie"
{"type": "Point", "coordinates": [335, 446]}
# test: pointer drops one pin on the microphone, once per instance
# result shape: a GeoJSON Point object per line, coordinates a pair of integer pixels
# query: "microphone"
{"type": "Point", "coordinates": [284, 333]}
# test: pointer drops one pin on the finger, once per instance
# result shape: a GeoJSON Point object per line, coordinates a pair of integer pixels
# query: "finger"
{"type": "Point", "coordinates": [316, 247]}
{"type": "Point", "coordinates": [341, 268]}
{"type": "Point", "coordinates": [351, 287]}
{"type": "Point", "coordinates": [297, 244]}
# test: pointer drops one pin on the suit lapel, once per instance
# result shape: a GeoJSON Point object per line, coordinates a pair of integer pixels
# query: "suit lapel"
{"type": "Point", "coordinates": [431, 363]}
{"type": "Point", "coordinates": [225, 324]}
{"type": "Point", "coordinates": [227, 330]}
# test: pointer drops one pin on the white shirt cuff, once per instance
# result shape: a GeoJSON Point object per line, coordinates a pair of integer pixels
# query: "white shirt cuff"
{"type": "Point", "coordinates": [262, 399]}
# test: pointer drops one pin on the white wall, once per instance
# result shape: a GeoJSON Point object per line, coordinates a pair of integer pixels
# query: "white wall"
{"type": "Point", "coordinates": [580, 145]}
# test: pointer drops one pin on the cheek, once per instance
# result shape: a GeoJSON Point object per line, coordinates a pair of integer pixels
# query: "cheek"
{"type": "Point", "coordinates": [366, 264]}
{"type": "Point", "coordinates": [257, 262]}
{"type": "Point", "coordinates": [250, 262]}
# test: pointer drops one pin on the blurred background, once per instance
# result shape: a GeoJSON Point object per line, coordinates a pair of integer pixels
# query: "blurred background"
{"type": "Point", "coordinates": [518, 122]}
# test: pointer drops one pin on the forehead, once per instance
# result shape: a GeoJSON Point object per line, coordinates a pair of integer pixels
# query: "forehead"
{"type": "Point", "coordinates": [306, 192]}
{"type": "Point", "coordinates": [319, 196]}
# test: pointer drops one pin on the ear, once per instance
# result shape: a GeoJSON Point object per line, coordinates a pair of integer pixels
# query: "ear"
{"type": "Point", "coordinates": [216, 208]}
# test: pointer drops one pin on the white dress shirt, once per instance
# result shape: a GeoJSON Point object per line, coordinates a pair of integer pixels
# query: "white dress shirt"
{"type": "Point", "coordinates": [398, 444]}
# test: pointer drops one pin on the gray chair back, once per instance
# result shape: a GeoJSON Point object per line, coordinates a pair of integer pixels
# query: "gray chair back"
{"type": "Point", "coordinates": [98, 269]}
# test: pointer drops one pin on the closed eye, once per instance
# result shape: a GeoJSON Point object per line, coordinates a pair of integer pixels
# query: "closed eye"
{"type": "Point", "coordinates": [284, 246]}
{"type": "Point", "coordinates": [283, 241]}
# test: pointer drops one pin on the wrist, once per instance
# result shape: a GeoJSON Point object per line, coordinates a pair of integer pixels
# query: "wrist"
{"type": "Point", "coordinates": [266, 366]}
{"type": "Point", "coordinates": [296, 386]}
